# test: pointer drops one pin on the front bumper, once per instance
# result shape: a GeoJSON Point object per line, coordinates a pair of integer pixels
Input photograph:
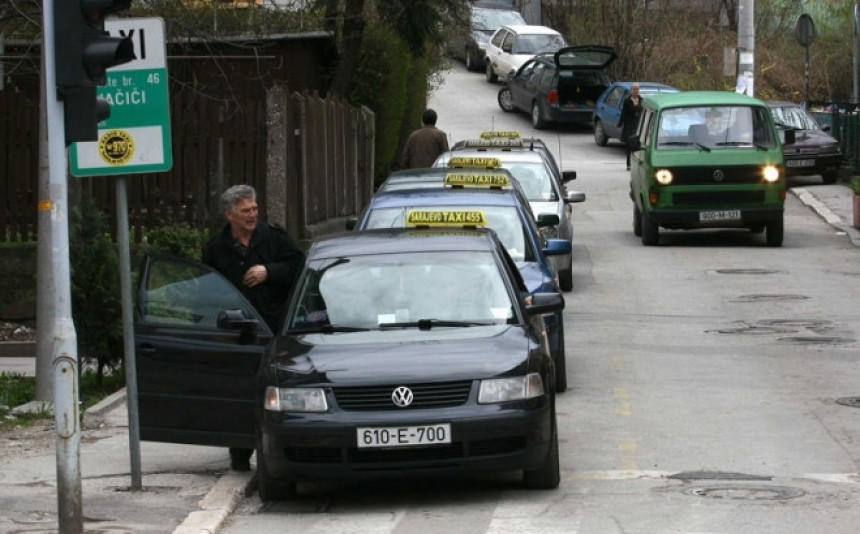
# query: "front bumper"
{"type": "Point", "coordinates": [483, 438]}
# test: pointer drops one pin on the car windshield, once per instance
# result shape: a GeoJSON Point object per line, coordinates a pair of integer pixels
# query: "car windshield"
{"type": "Point", "coordinates": [416, 289]}
{"type": "Point", "coordinates": [714, 127]}
{"type": "Point", "coordinates": [491, 19]}
{"type": "Point", "coordinates": [534, 178]}
{"type": "Point", "coordinates": [504, 220]}
{"type": "Point", "coordinates": [537, 43]}
{"type": "Point", "coordinates": [794, 117]}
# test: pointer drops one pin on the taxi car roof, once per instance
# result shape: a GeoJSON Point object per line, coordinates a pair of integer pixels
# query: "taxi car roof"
{"type": "Point", "coordinates": [430, 174]}
{"type": "Point", "coordinates": [505, 155]}
{"type": "Point", "coordinates": [398, 240]}
{"type": "Point", "coordinates": [468, 196]}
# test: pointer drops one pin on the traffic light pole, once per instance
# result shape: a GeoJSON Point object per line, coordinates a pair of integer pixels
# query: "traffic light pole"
{"type": "Point", "coordinates": [65, 356]}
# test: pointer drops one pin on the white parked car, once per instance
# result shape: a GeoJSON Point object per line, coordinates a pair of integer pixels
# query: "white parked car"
{"type": "Point", "coordinates": [513, 45]}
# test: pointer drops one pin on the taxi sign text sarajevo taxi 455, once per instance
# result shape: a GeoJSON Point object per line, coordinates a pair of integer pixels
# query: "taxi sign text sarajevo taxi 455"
{"type": "Point", "coordinates": [136, 136]}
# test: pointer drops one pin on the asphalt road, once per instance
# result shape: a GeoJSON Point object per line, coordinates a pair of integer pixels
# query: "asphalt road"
{"type": "Point", "coordinates": [707, 380]}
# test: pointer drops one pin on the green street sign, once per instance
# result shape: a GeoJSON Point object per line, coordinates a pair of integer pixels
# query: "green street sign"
{"type": "Point", "coordinates": [136, 137]}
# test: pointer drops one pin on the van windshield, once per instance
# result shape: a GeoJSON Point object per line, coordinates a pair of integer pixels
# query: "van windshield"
{"type": "Point", "coordinates": [715, 127]}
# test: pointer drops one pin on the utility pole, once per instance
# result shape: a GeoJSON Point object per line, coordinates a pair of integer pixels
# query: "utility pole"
{"type": "Point", "coordinates": [746, 48]}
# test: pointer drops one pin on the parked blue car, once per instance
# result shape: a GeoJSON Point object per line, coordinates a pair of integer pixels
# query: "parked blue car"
{"type": "Point", "coordinates": [607, 109]}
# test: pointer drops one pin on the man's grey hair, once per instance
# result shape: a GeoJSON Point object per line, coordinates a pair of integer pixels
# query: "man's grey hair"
{"type": "Point", "coordinates": [236, 193]}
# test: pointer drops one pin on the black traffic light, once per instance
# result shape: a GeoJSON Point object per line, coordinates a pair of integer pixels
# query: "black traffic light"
{"type": "Point", "coordinates": [83, 50]}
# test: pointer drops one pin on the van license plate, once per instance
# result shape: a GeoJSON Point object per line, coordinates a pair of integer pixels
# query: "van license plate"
{"type": "Point", "coordinates": [800, 163]}
{"type": "Point", "coordinates": [720, 215]}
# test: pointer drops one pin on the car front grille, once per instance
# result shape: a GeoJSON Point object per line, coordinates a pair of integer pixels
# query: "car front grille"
{"type": "Point", "coordinates": [439, 395]}
{"type": "Point", "coordinates": [746, 174]}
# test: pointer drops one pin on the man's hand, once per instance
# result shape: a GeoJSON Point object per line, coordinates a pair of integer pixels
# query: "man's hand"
{"type": "Point", "coordinates": [255, 275]}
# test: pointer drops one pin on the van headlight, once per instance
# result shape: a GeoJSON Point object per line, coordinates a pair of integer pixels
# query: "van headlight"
{"type": "Point", "coordinates": [510, 389]}
{"type": "Point", "coordinates": [771, 174]}
{"type": "Point", "coordinates": [295, 400]}
{"type": "Point", "coordinates": [663, 176]}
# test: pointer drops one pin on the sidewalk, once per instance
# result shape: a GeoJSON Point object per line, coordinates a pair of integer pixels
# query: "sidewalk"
{"type": "Point", "coordinates": [185, 489]}
{"type": "Point", "coordinates": [189, 489]}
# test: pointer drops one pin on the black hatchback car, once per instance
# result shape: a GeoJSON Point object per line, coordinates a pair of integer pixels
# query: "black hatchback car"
{"type": "Point", "coordinates": [814, 151]}
{"type": "Point", "coordinates": [404, 351]}
{"type": "Point", "coordinates": [559, 87]}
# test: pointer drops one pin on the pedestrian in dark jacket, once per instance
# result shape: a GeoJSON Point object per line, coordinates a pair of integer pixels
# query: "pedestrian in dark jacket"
{"type": "Point", "coordinates": [424, 144]}
{"type": "Point", "coordinates": [260, 259]}
{"type": "Point", "coordinates": [629, 118]}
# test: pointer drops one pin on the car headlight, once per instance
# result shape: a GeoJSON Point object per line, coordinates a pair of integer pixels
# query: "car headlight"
{"type": "Point", "coordinates": [510, 389]}
{"type": "Point", "coordinates": [663, 176]}
{"type": "Point", "coordinates": [830, 149]}
{"type": "Point", "coordinates": [295, 400]}
{"type": "Point", "coordinates": [770, 173]}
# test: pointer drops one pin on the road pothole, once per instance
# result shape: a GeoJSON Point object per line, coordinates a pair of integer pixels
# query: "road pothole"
{"type": "Point", "coordinates": [746, 493]}
{"type": "Point", "coordinates": [853, 402]}
{"type": "Point", "coordinates": [752, 271]}
{"type": "Point", "coordinates": [816, 340]}
{"type": "Point", "coordinates": [769, 298]}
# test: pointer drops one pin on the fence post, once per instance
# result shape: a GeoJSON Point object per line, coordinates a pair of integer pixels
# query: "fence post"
{"type": "Point", "coordinates": [276, 155]}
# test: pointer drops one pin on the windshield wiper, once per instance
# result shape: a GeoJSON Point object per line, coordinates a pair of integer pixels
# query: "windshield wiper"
{"type": "Point", "coordinates": [328, 329]}
{"type": "Point", "coordinates": [674, 143]}
{"type": "Point", "coordinates": [427, 324]}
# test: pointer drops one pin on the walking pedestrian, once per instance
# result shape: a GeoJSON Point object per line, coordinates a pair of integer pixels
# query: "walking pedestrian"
{"type": "Point", "coordinates": [424, 144]}
{"type": "Point", "coordinates": [629, 118]}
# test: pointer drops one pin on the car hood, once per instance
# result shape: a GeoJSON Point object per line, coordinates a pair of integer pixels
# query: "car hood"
{"type": "Point", "coordinates": [585, 57]}
{"type": "Point", "coordinates": [402, 356]}
{"type": "Point", "coordinates": [808, 139]}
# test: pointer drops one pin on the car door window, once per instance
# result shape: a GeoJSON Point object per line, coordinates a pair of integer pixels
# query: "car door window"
{"type": "Point", "coordinates": [614, 97]}
{"type": "Point", "coordinates": [508, 43]}
{"type": "Point", "coordinates": [188, 293]}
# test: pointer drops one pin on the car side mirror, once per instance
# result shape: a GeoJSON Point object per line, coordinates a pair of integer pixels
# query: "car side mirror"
{"type": "Point", "coordinates": [573, 197]}
{"type": "Point", "coordinates": [238, 320]}
{"type": "Point", "coordinates": [547, 219]}
{"type": "Point", "coordinates": [567, 176]}
{"type": "Point", "coordinates": [351, 222]}
{"type": "Point", "coordinates": [634, 144]}
{"type": "Point", "coordinates": [545, 303]}
{"type": "Point", "coordinates": [557, 247]}
{"type": "Point", "coordinates": [790, 137]}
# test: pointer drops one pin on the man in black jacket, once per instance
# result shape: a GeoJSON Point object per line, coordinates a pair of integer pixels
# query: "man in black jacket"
{"type": "Point", "coordinates": [260, 259]}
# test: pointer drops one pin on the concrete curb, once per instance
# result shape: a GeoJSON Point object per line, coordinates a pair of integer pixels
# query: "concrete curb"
{"type": "Point", "coordinates": [827, 214]}
{"type": "Point", "coordinates": [96, 415]}
{"type": "Point", "coordinates": [218, 504]}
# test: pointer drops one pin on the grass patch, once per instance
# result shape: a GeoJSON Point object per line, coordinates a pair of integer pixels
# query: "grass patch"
{"type": "Point", "coordinates": [17, 389]}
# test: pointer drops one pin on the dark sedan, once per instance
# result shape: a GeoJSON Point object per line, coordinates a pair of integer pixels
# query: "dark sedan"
{"type": "Point", "coordinates": [404, 351]}
{"type": "Point", "coordinates": [814, 150]}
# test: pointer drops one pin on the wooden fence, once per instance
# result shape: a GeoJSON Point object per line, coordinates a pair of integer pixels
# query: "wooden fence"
{"type": "Point", "coordinates": [310, 159]}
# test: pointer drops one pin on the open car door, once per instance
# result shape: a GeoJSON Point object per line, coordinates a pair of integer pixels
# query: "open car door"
{"type": "Point", "coordinates": [199, 345]}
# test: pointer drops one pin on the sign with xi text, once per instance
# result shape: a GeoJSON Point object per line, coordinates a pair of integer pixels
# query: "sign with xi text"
{"type": "Point", "coordinates": [136, 137]}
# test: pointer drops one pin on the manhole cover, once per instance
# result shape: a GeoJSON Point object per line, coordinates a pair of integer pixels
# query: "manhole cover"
{"type": "Point", "coordinates": [853, 402]}
{"type": "Point", "coordinates": [747, 493]}
{"type": "Point", "coordinates": [746, 271]}
{"type": "Point", "coordinates": [762, 298]}
{"type": "Point", "coordinates": [816, 340]}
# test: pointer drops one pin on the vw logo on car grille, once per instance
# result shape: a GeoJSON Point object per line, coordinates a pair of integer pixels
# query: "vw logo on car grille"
{"type": "Point", "coordinates": [401, 396]}
{"type": "Point", "coordinates": [718, 175]}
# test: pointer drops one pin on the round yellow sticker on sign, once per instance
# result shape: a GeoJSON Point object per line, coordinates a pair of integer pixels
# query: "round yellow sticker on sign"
{"type": "Point", "coordinates": [116, 147]}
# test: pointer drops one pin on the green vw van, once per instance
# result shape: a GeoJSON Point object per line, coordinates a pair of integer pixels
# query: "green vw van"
{"type": "Point", "coordinates": [707, 159]}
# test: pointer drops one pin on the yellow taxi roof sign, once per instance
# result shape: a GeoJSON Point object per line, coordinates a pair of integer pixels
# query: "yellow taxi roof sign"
{"type": "Point", "coordinates": [494, 142]}
{"type": "Point", "coordinates": [476, 179]}
{"type": "Point", "coordinates": [456, 218]}
{"type": "Point", "coordinates": [475, 162]}
{"type": "Point", "coordinates": [490, 134]}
